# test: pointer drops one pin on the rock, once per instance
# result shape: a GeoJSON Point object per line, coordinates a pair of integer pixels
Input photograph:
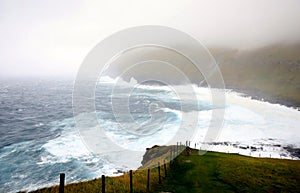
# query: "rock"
{"type": "Point", "coordinates": [154, 152]}
{"type": "Point", "coordinates": [295, 152]}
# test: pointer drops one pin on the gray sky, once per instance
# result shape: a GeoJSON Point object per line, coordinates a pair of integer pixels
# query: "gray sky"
{"type": "Point", "coordinates": [51, 38]}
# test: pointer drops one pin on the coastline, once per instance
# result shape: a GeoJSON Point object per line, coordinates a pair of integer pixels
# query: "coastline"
{"type": "Point", "coordinates": [261, 96]}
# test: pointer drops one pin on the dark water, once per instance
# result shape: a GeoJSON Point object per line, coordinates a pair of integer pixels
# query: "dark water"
{"type": "Point", "coordinates": [28, 110]}
{"type": "Point", "coordinates": [37, 132]}
{"type": "Point", "coordinates": [38, 135]}
{"type": "Point", "coordinates": [27, 107]}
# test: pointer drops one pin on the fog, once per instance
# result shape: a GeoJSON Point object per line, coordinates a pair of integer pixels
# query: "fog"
{"type": "Point", "coordinates": [51, 38]}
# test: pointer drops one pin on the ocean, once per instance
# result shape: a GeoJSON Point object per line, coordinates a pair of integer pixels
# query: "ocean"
{"type": "Point", "coordinates": [39, 138]}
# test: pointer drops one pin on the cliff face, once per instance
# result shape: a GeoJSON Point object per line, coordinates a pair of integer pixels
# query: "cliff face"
{"type": "Point", "coordinates": [154, 155]}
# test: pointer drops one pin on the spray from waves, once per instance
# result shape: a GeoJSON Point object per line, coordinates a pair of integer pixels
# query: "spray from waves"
{"type": "Point", "coordinates": [68, 147]}
{"type": "Point", "coordinates": [67, 153]}
{"type": "Point", "coordinates": [154, 131]}
{"type": "Point", "coordinates": [248, 122]}
{"type": "Point", "coordinates": [258, 128]}
{"type": "Point", "coordinates": [35, 164]}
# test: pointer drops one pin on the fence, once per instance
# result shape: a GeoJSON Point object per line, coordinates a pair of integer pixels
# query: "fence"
{"type": "Point", "coordinates": [174, 152]}
{"type": "Point", "coordinates": [62, 179]}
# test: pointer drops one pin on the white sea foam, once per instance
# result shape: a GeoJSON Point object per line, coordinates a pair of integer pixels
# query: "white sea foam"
{"type": "Point", "coordinates": [247, 122]}
{"type": "Point", "coordinates": [258, 123]}
{"type": "Point", "coordinates": [251, 127]}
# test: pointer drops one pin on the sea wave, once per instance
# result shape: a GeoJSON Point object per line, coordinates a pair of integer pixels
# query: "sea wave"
{"type": "Point", "coordinates": [251, 127]}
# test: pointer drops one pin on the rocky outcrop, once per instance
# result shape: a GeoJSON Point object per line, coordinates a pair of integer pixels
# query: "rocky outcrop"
{"type": "Point", "coordinates": [155, 152]}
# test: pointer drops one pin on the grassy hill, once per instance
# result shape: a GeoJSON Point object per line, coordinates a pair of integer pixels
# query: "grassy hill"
{"type": "Point", "coordinates": [212, 172]}
{"type": "Point", "coordinates": [220, 172]}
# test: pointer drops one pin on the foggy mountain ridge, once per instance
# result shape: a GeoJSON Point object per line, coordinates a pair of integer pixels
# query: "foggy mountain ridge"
{"type": "Point", "coordinates": [270, 73]}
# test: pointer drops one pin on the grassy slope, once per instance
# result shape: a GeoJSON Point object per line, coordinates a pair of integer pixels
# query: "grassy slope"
{"type": "Point", "coordinates": [213, 172]}
{"type": "Point", "coordinates": [220, 172]}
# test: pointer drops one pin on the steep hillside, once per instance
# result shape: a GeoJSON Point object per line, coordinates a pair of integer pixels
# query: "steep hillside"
{"type": "Point", "coordinates": [271, 73]}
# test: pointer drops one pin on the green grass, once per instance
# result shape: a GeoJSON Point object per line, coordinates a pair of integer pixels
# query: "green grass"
{"type": "Point", "coordinates": [212, 172]}
{"type": "Point", "coordinates": [221, 172]}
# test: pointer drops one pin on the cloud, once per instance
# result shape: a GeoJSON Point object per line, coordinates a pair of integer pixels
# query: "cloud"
{"type": "Point", "coordinates": [53, 37]}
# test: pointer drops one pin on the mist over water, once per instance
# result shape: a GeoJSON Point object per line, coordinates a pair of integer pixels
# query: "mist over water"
{"type": "Point", "coordinates": [39, 138]}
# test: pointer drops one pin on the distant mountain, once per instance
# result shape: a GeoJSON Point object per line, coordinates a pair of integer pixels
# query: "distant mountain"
{"type": "Point", "coordinates": [271, 73]}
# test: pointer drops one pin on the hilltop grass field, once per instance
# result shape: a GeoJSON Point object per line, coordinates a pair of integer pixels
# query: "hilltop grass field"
{"type": "Point", "coordinates": [211, 172]}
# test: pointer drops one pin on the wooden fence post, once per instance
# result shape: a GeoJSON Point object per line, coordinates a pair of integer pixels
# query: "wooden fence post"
{"type": "Point", "coordinates": [103, 183]}
{"type": "Point", "coordinates": [165, 168]}
{"type": "Point", "coordinates": [159, 179]}
{"type": "Point", "coordinates": [61, 182]}
{"type": "Point", "coordinates": [174, 152]}
{"type": "Point", "coordinates": [131, 188]}
{"type": "Point", "coordinates": [148, 180]}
